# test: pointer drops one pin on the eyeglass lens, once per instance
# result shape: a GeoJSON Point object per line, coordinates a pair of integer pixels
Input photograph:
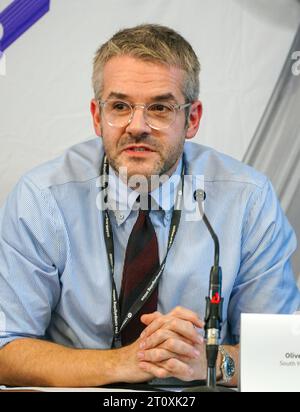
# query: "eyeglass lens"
{"type": "Point", "coordinates": [157, 115]}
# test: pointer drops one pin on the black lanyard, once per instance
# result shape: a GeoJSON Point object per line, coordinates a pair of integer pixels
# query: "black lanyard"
{"type": "Point", "coordinates": [118, 323]}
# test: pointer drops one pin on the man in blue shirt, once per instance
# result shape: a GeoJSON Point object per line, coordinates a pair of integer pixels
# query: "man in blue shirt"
{"type": "Point", "coordinates": [57, 312]}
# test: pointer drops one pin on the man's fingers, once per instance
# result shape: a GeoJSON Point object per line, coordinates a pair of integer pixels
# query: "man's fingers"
{"type": "Point", "coordinates": [178, 326]}
{"type": "Point", "coordinates": [150, 317]}
{"type": "Point", "coordinates": [178, 369]}
{"type": "Point", "coordinates": [158, 320]}
{"type": "Point", "coordinates": [154, 370]}
{"type": "Point", "coordinates": [156, 339]}
{"type": "Point", "coordinates": [167, 340]}
{"type": "Point", "coordinates": [186, 314]}
{"type": "Point", "coordinates": [155, 324]}
{"type": "Point", "coordinates": [155, 355]}
{"type": "Point", "coordinates": [172, 347]}
{"type": "Point", "coordinates": [171, 367]}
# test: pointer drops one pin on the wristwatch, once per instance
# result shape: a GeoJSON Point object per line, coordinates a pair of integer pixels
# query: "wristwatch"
{"type": "Point", "coordinates": [227, 365]}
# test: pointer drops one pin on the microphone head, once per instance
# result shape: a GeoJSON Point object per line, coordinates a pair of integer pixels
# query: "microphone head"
{"type": "Point", "coordinates": [199, 195]}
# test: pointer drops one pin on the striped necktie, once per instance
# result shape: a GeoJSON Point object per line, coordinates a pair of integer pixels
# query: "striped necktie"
{"type": "Point", "coordinates": [141, 262]}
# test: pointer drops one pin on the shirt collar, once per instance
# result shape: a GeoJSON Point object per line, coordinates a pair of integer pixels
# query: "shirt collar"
{"type": "Point", "coordinates": [121, 199]}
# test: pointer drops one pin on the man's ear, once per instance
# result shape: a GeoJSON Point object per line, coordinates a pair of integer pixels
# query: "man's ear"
{"type": "Point", "coordinates": [94, 108]}
{"type": "Point", "coordinates": [193, 121]}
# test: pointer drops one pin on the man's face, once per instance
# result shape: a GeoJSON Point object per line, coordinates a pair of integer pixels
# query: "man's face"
{"type": "Point", "coordinates": [136, 81]}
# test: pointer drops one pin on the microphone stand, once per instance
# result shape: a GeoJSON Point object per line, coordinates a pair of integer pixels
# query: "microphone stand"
{"type": "Point", "coordinates": [213, 313]}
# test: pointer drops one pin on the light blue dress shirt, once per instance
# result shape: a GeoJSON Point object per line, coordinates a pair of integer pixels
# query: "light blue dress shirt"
{"type": "Point", "coordinates": [54, 274]}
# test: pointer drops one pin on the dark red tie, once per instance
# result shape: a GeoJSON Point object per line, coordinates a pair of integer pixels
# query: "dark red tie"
{"type": "Point", "coordinates": [141, 262]}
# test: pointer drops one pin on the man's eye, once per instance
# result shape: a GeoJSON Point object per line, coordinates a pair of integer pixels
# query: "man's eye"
{"type": "Point", "coordinates": [119, 106]}
{"type": "Point", "coordinates": [160, 108]}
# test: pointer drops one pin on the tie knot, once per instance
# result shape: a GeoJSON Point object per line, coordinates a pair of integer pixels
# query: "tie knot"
{"type": "Point", "coordinates": [146, 203]}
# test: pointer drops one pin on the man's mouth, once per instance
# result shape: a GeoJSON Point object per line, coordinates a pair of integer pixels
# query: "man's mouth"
{"type": "Point", "coordinates": [138, 149]}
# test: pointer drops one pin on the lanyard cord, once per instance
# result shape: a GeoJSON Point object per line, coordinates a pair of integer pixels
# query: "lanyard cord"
{"type": "Point", "coordinates": [118, 323]}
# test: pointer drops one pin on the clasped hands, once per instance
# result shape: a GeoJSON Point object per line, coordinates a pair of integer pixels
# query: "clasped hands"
{"type": "Point", "coordinates": [171, 345]}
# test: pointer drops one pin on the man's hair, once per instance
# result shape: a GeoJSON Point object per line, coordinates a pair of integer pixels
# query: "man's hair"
{"type": "Point", "coordinates": [150, 43]}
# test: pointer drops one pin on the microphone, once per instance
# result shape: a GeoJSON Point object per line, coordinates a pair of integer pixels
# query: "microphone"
{"type": "Point", "coordinates": [214, 300]}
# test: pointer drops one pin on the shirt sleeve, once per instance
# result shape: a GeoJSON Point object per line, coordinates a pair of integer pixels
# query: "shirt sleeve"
{"type": "Point", "coordinates": [265, 282]}
{"type": "Point", "coordinates": [30, 256]}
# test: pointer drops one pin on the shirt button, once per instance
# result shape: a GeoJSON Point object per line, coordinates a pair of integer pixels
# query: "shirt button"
{"type": "Point", "coordinates": [121, 217]}
{"type": "Point", "coordinates": [167, 217]}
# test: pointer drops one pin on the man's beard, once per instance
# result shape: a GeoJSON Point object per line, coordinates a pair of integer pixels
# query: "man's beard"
{"type": "Point", "coordinates": [162, 166]}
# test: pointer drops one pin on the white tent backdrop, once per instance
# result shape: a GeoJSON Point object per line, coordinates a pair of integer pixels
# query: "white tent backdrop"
{"type": "Point", "coordinates": [45, 94]}
{"type": "Point", "coordinates": [275, 147]}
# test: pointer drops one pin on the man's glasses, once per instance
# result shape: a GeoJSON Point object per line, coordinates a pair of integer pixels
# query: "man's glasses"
{"type": "Point", "coordinates": [158, 115]}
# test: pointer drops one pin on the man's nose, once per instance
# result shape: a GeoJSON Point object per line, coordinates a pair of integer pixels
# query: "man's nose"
{"type": "Point", "coordinates": [138, 123]}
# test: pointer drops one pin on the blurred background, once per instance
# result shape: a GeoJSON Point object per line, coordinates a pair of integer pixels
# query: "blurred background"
{"type": "Point", "coordinates": [250, 86]}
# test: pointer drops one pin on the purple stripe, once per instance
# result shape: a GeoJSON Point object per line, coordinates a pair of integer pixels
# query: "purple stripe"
{"type": "Point", "coordinates": [18, 17]}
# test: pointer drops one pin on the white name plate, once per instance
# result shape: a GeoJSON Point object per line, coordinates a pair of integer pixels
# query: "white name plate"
{"type": "Point", "coordinates": [270, 353]}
